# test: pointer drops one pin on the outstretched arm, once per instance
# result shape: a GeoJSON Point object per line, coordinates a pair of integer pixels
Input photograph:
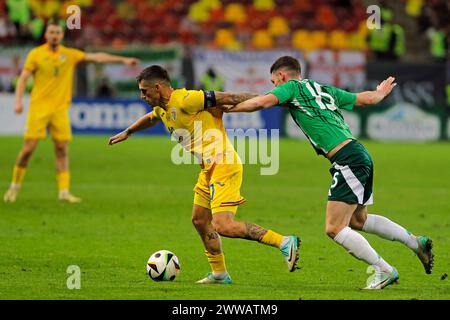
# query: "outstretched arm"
{"type": "Point", "coordinates": [231, 98]}
{"type": "Point", "coordinates": [142, 123]}
{"type": "Point", "coordinates": [254, 104]}
{"type": "Point", "coordinates": [367, 98]}
{"type": "Point", "coordinates": [102, 57]}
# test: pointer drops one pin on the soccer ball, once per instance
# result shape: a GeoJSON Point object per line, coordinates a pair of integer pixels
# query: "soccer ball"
{"type": "Point", "coordinates": [163, 265]}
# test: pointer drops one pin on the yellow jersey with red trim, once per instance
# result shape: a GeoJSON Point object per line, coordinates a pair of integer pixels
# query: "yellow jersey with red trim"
{"type": "Point", "coordinates": [53, 76]}
{"type": "Point", "coordinates": [198, 129]}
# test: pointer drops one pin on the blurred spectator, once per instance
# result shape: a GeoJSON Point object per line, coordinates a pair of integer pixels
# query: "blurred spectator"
{"type": "Point", "coordinates": [211, 81]}
{"type": "Point", "coordinates": [388, 42]}
{"type": "Point", "coordinates": [45, 8]}
{"type": "Point", "coordinates": [104, 89]}
{"type": "Point", "coordinates": [19, 15]}
{"type": "Point", "coordinates": [37, 26]}
{"type": "Point", "coordinates": [7, 30]}
{"type": "Point", "coordinates": [434, 22]}
{"type": "Point", "coordinates": [438, 43]}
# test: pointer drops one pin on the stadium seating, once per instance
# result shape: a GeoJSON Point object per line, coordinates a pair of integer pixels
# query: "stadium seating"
{"type": "Point", "coordinates": [225, 24]}
{"type": "Point", "coordinates": [267, 18]}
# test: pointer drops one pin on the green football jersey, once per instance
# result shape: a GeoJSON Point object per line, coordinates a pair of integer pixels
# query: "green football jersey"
{"type": "Point", "coordinates": [315, 109]}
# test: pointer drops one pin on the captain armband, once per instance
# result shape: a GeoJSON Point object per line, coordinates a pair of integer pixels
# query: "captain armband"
{"type": "Point", "coordinates": [210, 99]}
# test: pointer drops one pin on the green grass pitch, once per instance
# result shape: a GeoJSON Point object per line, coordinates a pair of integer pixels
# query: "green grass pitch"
{"type": "Point", "coordinates": [135, 202]}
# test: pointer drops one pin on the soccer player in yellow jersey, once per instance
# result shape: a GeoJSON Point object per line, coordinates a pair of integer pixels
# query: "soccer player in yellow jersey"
{"type": "Point", "coordinates": [52, 66]}
{"type": "Point", "coordinates": [191, 118]}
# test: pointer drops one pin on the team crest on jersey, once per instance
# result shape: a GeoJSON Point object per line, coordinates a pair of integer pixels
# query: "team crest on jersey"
{"type": "Point", "coordinates": [173, 112]}
{"type": "Point", "coordinates": [62, 57]}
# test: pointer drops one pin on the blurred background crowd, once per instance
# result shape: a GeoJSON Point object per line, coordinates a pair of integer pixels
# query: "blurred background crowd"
{"type": "Point", "coordinates": [229, 45]}
{"type": "Point", "coordinates": [413, 30]}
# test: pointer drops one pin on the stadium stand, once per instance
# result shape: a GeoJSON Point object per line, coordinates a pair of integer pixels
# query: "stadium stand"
{"type": "Point", "coordinates": [235, 25]}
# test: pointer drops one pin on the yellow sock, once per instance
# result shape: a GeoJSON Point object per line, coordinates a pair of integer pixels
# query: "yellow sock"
{"type": "Point", "coordinates": [63, 178]}
{"type": "Point", "coordinates": [272, 239]}
{"type": "Point", "coordinates": [18, 174]}
{"type": "Point", "coordinates": [217, 262]}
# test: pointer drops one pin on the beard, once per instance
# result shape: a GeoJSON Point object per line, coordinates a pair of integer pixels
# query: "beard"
{"type": "Point", "coordinates": [54, 42]}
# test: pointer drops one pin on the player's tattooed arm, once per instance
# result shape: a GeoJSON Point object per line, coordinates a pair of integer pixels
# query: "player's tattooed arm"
{"type": "Point", "coordinates": [144, 122]}
{"type": "Point", "coordinates": [255, 104]}
{"type": "Point", "coordinates": [232, 98]}
{"type": "Point", "coordinates": [254, 232]}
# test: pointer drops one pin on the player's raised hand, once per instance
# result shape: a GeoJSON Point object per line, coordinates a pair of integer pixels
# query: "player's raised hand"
{"type": "Point", "coordinates": [122, 136]}
{"type": "Point", "coordinates": [386, 86]}
{"type": "Point", "coordinates": [18, 107]}
{"type": "Point", "coordinates": [131, 61]}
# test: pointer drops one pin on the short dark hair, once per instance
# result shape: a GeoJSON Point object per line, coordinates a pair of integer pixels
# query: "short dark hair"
{"type": "Point", "coordinates": [153, 73]}
{"type": "Point", "coordinates": [54, 22]}
{"type": "Point", "coordinates": [287, 63]}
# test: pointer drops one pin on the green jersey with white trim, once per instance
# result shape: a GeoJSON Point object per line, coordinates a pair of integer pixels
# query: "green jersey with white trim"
{"type": "Point", "coordinates": [315, 109]}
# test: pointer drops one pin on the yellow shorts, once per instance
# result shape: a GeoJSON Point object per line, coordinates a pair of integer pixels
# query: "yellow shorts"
{"type": "Point", "coordinates": [57, 122]}
{"type": "Point", "coordinates": [219, 188]}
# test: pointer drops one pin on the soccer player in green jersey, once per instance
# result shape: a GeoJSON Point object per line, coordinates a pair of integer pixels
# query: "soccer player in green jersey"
{"type": "Point", "coordinates": [316, 110]}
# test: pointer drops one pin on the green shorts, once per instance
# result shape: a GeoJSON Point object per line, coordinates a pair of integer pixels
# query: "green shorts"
{"type": "Point", "coordinates": [352, 173]}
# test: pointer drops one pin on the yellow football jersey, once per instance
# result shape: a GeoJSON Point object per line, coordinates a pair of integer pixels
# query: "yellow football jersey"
{"type": "Point", "coordinates": [53, 76]}
{"type": "Point", "coordinates": [198, 129]}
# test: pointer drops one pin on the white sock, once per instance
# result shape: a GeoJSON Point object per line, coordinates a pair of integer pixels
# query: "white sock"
{"type": "Point", "coordinates": [360, 248]}
{"type": "Point", "coordinates": [389, 230]}
{"type": "Point", "coordinates": [14, 186]}
{"type": "Point", "coordinates": [383, 265]}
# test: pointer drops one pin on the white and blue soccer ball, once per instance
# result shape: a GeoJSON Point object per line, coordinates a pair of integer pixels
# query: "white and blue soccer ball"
{"type": "Point", "coordinates": [163, 265]}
